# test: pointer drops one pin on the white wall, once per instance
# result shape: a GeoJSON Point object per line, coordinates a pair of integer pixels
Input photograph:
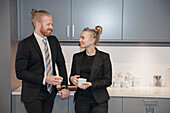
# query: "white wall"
{"type": "Point", "coordinates": [144, 62]}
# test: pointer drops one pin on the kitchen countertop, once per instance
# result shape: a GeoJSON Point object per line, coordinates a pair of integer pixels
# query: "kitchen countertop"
{"type": "Point", "coordinates": [18, 91]}
{"type": "Point", "coordinates": [143, 91]}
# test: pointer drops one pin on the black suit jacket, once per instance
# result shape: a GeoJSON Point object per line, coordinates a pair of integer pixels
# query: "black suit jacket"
{"type": "Point", "coordinates": [30, 66]}
{"type": "Point", "coordinates": [101, 74]}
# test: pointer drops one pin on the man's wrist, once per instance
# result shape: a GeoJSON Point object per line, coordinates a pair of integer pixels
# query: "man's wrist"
{"type": "Point", "coordinates": [64, 86]}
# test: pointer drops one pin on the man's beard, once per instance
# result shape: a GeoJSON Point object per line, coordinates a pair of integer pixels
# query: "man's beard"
{"type": "Point", "coordinates": [46, 33]}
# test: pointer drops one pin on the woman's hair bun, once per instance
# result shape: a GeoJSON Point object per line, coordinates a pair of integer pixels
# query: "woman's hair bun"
{"type": "Point", "coordinates": [33, 11]}
{"type": "Point", "coordinates": [99, 29]}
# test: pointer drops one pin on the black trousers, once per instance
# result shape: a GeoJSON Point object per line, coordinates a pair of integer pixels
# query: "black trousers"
{"type": "Point", "coordinates": [42, 104]}
{"type": "Point", "coordinates": [88, 105]}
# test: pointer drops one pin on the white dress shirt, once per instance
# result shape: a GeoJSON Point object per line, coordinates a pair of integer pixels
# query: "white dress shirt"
{"type": "Point", "coordinates": [42, 48]}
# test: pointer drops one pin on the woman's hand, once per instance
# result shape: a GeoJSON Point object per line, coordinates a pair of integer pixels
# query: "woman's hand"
{"type": "Point", "coordinates": [85, 85]}
{"type": "Point", "coordinates": [74, 79]}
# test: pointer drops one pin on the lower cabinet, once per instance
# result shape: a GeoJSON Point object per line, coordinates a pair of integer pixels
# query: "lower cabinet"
{"type": "Point", "coordinates": [71, 105]}
{"type": "Point", "coordinates": [116, 105]}
{"type": "Point", "coordinates": [146, 105]}
{"type": "Point", "coordinates": [17, 105]}
{"type": "Point", "coordinates": [65, 106]}
{"type": "Point", "coordinates": [60, 106]}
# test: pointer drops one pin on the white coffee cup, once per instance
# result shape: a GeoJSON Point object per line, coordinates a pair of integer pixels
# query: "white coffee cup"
{"type": "Point", "coordinates": [81, 80]}
{"type": "Point", "coordinates": [59, 79]}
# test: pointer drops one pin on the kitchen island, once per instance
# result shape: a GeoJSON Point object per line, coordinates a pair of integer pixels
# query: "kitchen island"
{"type": "Point", "coordinates": [122, 100]}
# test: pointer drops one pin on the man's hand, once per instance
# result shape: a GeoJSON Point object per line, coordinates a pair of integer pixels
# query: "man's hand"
{"type": "Point", "coordinates": [65, 93]}
{"type": "Point", "coordinates": [53, 80]}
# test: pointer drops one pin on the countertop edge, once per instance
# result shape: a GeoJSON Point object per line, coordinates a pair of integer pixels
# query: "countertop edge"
{"type": "Point", "coordinates": [142, 92]}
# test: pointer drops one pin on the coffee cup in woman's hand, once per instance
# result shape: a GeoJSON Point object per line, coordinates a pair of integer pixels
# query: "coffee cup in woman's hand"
{"type": "Point", "coordinates": [81, 80]}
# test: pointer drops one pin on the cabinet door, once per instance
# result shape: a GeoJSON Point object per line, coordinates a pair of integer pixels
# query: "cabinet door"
{"type": "Point", "coordinates": [17, 105]}
{"type": "Point", "coordinates": [59, 9]}
{"type": "Point", "coordinates": [71, 104]}
{"type": "Point", "coordinates": [115, 105]}
{"type": "Point", "coordinates": [163, 106]}
{"type": "Point", "coordinates": [90, 13]}
{"type": "Point", "coordinates": [133, 105]}
{"type": "Point", "coordinates": [142, 105]}
{"type": "Point", "coordinates": [146, 20]}
{"type": "Point", "coordinates": [60, 106]}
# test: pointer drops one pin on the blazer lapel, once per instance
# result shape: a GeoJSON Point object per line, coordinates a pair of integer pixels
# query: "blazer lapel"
{"type": "Point", "coordinates": [79, 63]}
{"type": "Point", "coordinates": [37, 46]}
{"type": "Point", "coordinates": [95, 64]}
{"type": "Point", "coordinates": [53, 53]}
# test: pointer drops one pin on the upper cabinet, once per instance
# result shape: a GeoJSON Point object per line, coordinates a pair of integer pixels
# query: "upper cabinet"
{"type": "Point", "coordinates": [122, 20]}
{"type": "Point", "coordinates": [59, 9]}
{"type": "Point", "coordinates": [146, 20]}
{"type": "Point", "coordinates": [70, 17]}
{"type": "Point", "coordinates": [90, 13]}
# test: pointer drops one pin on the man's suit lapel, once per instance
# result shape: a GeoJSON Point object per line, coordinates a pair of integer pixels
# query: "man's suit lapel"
{"type": "Point", "coordinates": [37, 46]}
{"type": "Point", "coordinates": [53, 53]}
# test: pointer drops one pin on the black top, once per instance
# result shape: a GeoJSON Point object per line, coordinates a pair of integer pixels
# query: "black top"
{"type": "Point", "coordinates": [85, 71]}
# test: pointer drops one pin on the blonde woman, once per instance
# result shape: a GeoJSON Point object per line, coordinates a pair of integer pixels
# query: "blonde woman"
{"type": "Point", "coordinates": [95, 66]}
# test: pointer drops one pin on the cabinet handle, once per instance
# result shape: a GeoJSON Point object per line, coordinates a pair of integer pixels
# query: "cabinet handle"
{"type": "Point", "coordinates": [150, 102]}
{"type": "Point", "coordinates": [149, 109]}
{"type": "Point", "coordinates": [73, 31]}
{"type": "Point", "coordinates": [67, 31]}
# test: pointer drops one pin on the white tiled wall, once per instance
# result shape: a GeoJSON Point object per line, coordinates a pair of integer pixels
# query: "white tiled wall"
{"type": "Point", "coordinates": [144, 62]}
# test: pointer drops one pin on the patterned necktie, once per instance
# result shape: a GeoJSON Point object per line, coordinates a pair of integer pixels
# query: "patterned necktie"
{"type": "Point", "coordinates": [48, 64]}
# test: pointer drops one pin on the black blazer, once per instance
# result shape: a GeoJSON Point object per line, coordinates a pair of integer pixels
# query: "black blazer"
{"type": "Point", "coordinates": [101, 74]}
{"type": "Point", "coordinates": [30, 66]}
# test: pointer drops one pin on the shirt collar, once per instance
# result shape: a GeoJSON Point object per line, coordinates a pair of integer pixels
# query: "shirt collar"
{"type": "Point", "coordinates": [39, 37]}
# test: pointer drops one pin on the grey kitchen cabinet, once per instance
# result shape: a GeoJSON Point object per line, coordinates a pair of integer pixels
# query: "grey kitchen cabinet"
{"type": "Point", "coordinates": [17, 105]}
{"type": "Point", "coordinates": [122, 20]}
{"type": "Point", "coordinates": [146, 20]}
{"type": "Point", "coordinates": [60, 106]}
{"type": "Point", "coordinates": [90, 13]}
{"type": "Point", "coordinates": [70, 17]}
{"type": "Point", "coordinates": [71, 105]}
{"type": "Point", "coordinates": [59, 9]}
{"type": "Point", "coordinates": [146, 105]}
{"type": "Point", "coordinates": [115, 105]}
